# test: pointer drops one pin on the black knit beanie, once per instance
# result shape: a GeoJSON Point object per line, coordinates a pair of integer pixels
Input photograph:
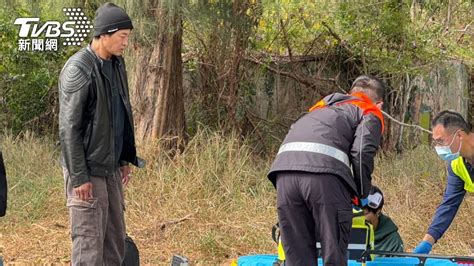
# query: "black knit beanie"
{"type": "Point", "coordinates": [110, 18]}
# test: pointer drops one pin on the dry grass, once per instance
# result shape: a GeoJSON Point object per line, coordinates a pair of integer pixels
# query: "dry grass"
{"type": "Point", "coordinates": [413, 184]}
{"type": "Point", "coordinates": [210, 203]}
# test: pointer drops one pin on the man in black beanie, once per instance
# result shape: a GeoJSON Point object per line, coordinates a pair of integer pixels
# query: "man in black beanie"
{"type": "Point", "coordinates": [97, 140]}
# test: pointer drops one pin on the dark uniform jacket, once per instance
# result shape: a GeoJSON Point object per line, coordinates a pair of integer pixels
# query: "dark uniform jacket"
{"type": "Point", "coordinates": [86, 119]}
{"type": "Point", "coordinates": [340, 138]}
{"type": "Point", "coordinates": [452, 199]}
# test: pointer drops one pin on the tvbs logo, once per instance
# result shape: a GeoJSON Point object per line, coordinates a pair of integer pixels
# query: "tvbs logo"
{"type": "Point", "coordinates": [73, 31]}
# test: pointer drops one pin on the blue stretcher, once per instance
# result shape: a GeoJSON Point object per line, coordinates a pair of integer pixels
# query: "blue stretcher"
{"type": "Point", "coordinates": [403, 260]}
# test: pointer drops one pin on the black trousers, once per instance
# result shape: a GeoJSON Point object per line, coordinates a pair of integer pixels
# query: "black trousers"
{"type": "Point", "coordinates": [313, 208]}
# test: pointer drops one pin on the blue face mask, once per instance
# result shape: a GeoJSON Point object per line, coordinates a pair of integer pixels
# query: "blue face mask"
{"type": "Point", "coordinates": [445, 153]}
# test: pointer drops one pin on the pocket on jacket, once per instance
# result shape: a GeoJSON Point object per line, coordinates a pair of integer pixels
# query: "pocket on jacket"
{"type": "Point", "coordinates": [344, 218]}
{"type": "Point", "coordinates": [84, 217]}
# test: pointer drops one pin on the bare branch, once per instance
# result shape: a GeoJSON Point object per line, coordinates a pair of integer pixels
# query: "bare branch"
{"type": "Point", "coordinates": [342, 43]}
{"type": "Point", "coordinates": [339, 39]}
{"type": "Point", "coordinates": [177, 221]}
{"type": "Point", "coordinates": [275, 122]}
{"type": "Point", "coordinates": [285, 36]}
{"type": "Point", "coordinates": [286, 59]}
{"type": "Point", "coordinates": [405, 124]}
{"type": "Point", "coordinates": [306, 81]}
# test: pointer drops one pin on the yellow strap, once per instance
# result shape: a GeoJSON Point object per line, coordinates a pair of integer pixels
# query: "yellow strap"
{"type": "Point", "coordinates": [319, 104]}
{"type": "Point", "coordinates": [459, 168]}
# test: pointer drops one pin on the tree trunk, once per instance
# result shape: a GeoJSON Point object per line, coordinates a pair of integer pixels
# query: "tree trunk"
{"type": "Point", "coordinates": [235, 73]}
{"type": "Point", "coordinates": [158, 94]}
{"type": "Point", "coordinates": [239, 9]}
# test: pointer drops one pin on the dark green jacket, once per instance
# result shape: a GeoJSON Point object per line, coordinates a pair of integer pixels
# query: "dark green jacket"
{"type": "Point", "coordinates": [386, 236]}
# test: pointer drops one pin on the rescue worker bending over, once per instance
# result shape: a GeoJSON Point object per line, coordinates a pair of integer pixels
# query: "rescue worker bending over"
{"type": "Point", "coordinates": [454, 144]}
{"type": "Point", "coordinates": [327, 157]}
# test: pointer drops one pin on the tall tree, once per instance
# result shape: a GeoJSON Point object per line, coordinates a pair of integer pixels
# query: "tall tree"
{"type": "Point", "coordinates": [158, 89]}
{"type": "Point", "coordinates": [219, 34]}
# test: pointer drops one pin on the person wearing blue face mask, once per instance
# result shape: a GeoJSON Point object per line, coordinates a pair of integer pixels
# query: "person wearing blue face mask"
{"type": "Point", "coordinates": [454, 143]}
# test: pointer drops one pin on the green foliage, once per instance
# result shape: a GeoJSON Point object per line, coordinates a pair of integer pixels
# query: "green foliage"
{"type": "Point", "coordinates": [213, 32]}
{"type": "Point", "coordinates": [27, 78]}
{"type": "Point", "coordinates": [395, 36]}
{"type": "Point", "coordinates": [390, 38]}
{"type": "Point", "coordinates": [214, 24]}
{"type": "Point", "coordinates": [292, 24]}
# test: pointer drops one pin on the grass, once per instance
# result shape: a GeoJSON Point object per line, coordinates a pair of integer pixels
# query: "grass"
{"type": "Point", "coordinates": [210, 203]}
{"type": "Point", "coordinates": [413, 184]}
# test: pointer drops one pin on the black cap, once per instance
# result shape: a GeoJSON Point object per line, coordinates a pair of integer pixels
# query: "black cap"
{"type": "Point", "coordinates": [110, 18]}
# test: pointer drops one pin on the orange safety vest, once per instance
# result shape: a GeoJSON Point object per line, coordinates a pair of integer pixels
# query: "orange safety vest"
{"type": "Point", "coordinates": [362, 101]}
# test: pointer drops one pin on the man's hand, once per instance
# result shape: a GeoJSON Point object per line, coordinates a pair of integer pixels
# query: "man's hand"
{"type": "Point", "coordinates": [84, 191]}
{"type": "Point", "coordinates": [424, 247]}
{"type": "Point", "coordinates": [126, 173]}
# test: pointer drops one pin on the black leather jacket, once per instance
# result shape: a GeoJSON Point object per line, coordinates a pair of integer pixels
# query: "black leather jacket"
{"type": "Point", "coordinates": [86, 119]}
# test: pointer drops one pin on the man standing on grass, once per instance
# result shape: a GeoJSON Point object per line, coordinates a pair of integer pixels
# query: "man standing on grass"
{"type": "Point", "coordinates": [454, 144]}
{"type": "Point", "coordinates": [327, 157]}
{"type": "Point", "coordinates": [97, 140]}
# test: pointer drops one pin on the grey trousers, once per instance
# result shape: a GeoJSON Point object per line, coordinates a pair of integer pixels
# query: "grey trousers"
{"type": "Point", "coordinates": [97, 225]}
{"type": "Point", "coordinates": [313, 208]}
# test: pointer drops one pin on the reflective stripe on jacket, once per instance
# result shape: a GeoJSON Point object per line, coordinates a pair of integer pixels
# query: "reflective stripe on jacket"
{"type": "Point", "coordinates": [459, 168]}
